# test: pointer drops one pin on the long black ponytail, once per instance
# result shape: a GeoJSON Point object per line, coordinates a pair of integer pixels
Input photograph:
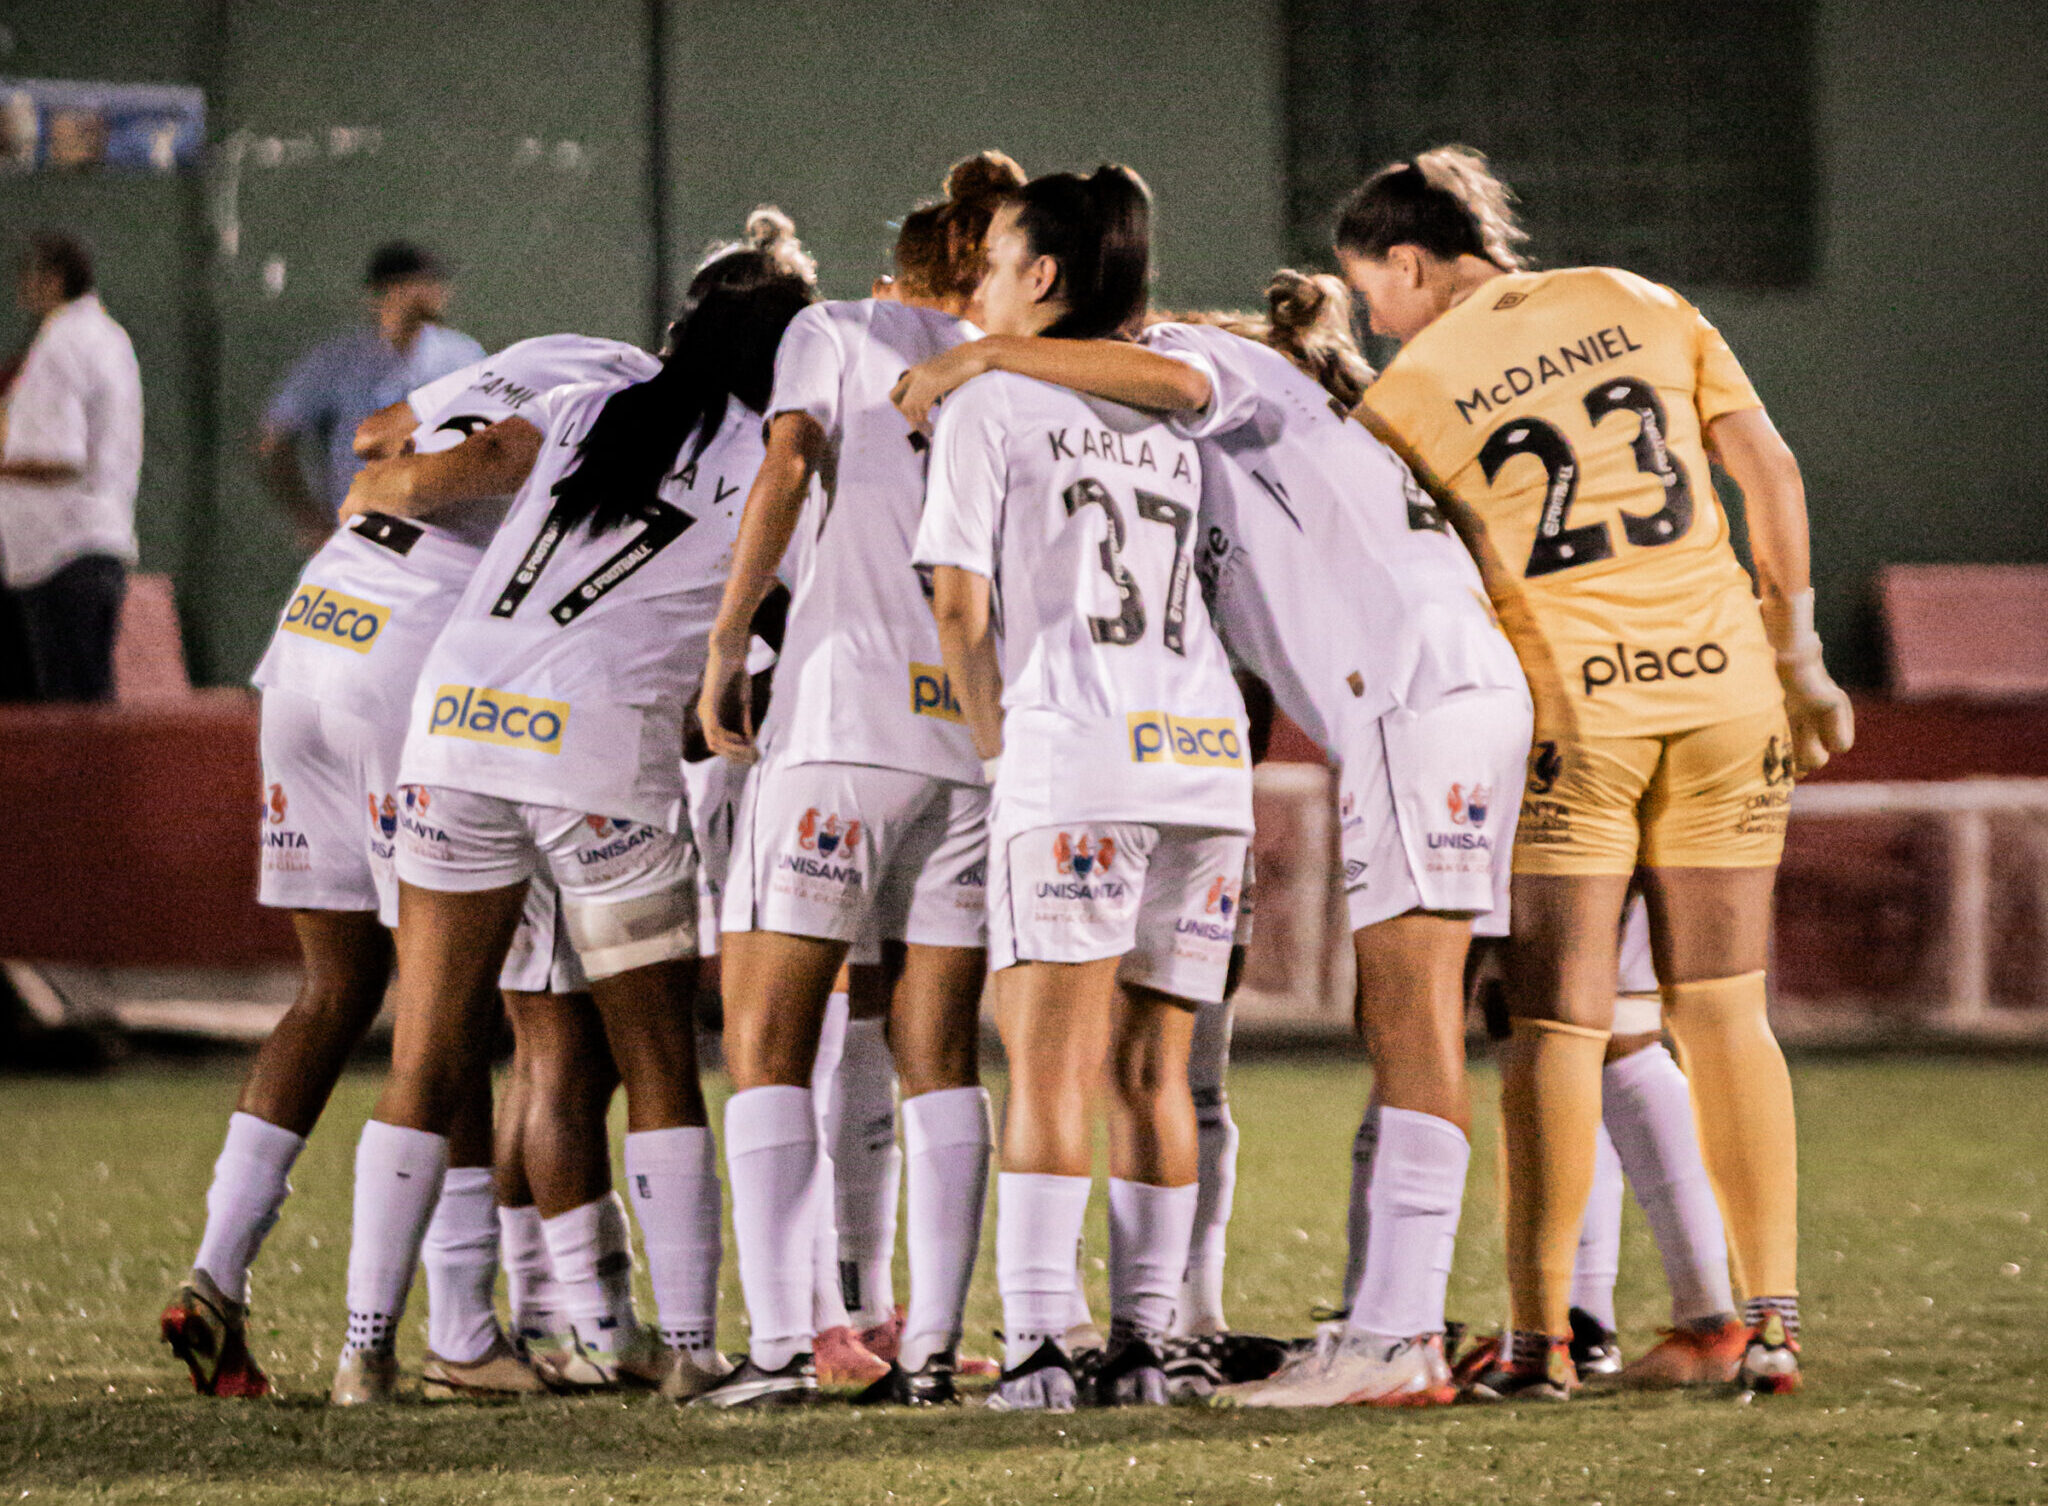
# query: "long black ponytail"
{"type": "Point", "coordinates": [721, 346]}
{"type": "Point", "coordinates": [1099, 230]}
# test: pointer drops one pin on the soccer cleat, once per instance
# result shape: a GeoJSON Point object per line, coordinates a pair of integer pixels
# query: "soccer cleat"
{"type": "Point", "coordinates": [1690, 1357]}
{"type": "Point", "coordinates": [1595, 1352]}
{"type": "Point", "coordinates": [1132, 1374]}
{"type": "Point", "coordinates": [1548, 1379]}
{"type": "Point", "coordinates": [637, 1360]}
{"type": "Point", "coordinates": [885, 1340]}
{"type": "Point", "coordinates": [1359, 1370]}
{"type": "Point", "coordinates": [364, 1377]}
{"type": "Point", "coordinates": [210, 1334]}
{"type": "Point", "coordinates": [747, 1386]}
{"type": "Point", "coordinates": [843, 1360]}
{"type": "Point", "coordinates": [552, 1351]}
{"type": "Point", "coordinates": [1770, 1359]}
{"type": "Point", "coordinates": [1045, 1382]}
{"type": "Point", "coordinates": [1478, 1357]}
{"type": "Point", "coordinates": [690, 1376]}
{"type": "Point", "coordinates": [1198, 1366]}
{"type": "Point", "coordinates": [932, 1385]}
{"type": "Point", "coordinates": [501, 1374]}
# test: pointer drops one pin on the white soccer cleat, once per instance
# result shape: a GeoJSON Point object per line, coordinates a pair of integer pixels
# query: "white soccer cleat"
{"type": "Point", "coordinates": [637, 1361]}
{"type": "Point", "coordinates": [1358, 1370]}
{"type": "Point", "coordinates": [1045, 1382]}
{"type": "Point", "coordinates": [690, 1377]}
{"type": "Point", "coordinates": [501, 1373]}
{"type": "Point", "coordinates": [364, 1377]}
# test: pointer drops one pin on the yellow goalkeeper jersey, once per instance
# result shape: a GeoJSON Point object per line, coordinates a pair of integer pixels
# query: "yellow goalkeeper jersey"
{"type": "Point", "coordinates": [1562, 412]}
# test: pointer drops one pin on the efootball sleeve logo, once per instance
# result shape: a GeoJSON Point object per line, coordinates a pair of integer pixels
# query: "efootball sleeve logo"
{"type": "Point", "coordinates": [330, 617]}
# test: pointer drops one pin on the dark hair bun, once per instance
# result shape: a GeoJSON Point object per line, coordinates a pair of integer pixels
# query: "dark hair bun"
{"type": "Point", "coordinates": [984, 176]}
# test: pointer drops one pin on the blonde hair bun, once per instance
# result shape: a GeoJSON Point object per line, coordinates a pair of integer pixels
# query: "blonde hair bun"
{"type": "Point", "coordinates": [984, 176]}
{"type": "Point", "coordinates": [773, 233]}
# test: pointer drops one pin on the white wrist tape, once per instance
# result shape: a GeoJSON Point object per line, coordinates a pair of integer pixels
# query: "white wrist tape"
{"type": "Point", "coordinates": [989, 767]}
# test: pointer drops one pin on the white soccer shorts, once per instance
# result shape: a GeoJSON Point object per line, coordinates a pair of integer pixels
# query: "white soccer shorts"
{"type": "Point", "coordinates": [1163, 898]}
{"type": "Point", "coordinates": [323, 847]}
{"type": "Point", "coordinates": [855, 853]}
{"type": "Point", "coordinates": [711, 792]}
{"type": "Point", "coordinates": [629, 890]}
{"type": "Point", "coordinates": [542, 960]}
{"type": "Point", "coordinates": [1427, 803]}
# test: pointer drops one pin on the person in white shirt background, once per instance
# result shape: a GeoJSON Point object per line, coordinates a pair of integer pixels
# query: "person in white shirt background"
{"type": "Point", "coordinates": [70, 461]}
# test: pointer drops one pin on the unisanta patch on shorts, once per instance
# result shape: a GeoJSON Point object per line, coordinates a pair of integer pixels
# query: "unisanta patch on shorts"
{"type": "Point", "coordinates": [330, 617]}
{"type": "Point", "coordinates": [498, 716]}
{"type": "Point", "coordinates": [931, 693]}
{"type": "Point", "coordinates": [1212, 742]}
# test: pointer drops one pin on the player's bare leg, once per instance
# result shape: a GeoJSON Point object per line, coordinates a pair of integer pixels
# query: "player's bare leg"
{"type": "Point", "coordinates": [1056, 1019]}
{"type": "Point", "coordinates": [1710, 931]}
{"type": "Point", "coordinates": [935, 1038]}
{"type": "Point", "coordinates": [346, 963]}
{"type": "Point", "coordinates": [1561, 963]}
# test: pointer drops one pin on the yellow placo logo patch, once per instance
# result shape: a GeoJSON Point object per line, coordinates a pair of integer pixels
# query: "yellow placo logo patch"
{"type": "Point", "coordinates": [498, 716]}
{"type": "Point", "coordinates": [330, 617]}
{"type": "Point", "coordinates": [931, 693]}
{"type": "Point", "coordinates": [1205, 742]}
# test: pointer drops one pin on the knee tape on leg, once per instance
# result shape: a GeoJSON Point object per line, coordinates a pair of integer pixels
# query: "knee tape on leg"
{"type": "Point", "coordinates": [1638, 1014]}
{"type": "Point", "coordinates": [617, 936]}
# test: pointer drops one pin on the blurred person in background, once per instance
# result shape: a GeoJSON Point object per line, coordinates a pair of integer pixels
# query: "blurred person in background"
{"type": "Point", "coordinates": [342, 381]}
{"type": "Point", "coordinates": [70, 460]}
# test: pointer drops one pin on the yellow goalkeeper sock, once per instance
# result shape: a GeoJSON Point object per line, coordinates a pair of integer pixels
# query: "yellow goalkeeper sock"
{"type": "Point", "coordinates": [1742, 1101]}
{"type": "Point", "coordinates": [1550, 1112]}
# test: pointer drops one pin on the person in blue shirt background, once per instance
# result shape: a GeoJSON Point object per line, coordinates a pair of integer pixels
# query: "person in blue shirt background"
{"type": "Point", "coordinates": [342, 381]}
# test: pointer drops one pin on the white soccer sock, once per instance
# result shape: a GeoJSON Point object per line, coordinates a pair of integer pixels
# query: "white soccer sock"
{"type": "Point", "coordinates": [947, 1134]}
{"type": "Point", "coordinates": [828, 1302]}
{"type": "Point", "coordinates": [460, 1254]}
{"type": "Point", "coordinates": [1149, 1229]}
{"type": "Point", "coordinates": [1201, 1294]}
{"type": "Point", "coordinates": [250, 1184]}
{"type": "Point", "coordinates": [1038, 1228]}
{"type": "Point", "coordinates": [591, 1253]}
{"type": "Point", "coordinates": [1598, 1262]}
{"type": "Point", "coordinates": [772, 1160]}
{"type": "Point", "coordinates": [868, 1172]}
{"type": "Point", "coordinates": [1647, 1108]}
{"type": "Point", "coordinates": [673, 1177]}
{"type": "Point", "coordinates": [529, 1280]}
{"type": "Point", "coordinates": [398, 1179]}
{"type": "Point", "coordinates": [1078, 1312]}
{"type": "Point", "coordinates": [1358, 1223]}
{"type": "Point", "coordinates": [1418, 1188]}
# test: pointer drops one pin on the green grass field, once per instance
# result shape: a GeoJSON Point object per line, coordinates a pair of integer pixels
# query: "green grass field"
{"type": "Point", "coordinates": [1926, 1295]}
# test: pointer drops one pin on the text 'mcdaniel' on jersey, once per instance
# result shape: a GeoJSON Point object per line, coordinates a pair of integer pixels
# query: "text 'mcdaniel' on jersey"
{"type": "Point", "coordinates": [562, 675]}
{"type": "Point", "coordinates": [860, 679]}
{"type": "Point", "coordinates": [1332, 576]}
{"type": "Point", "coordinates": [1566, 411]}
{"type": "Point", "coordinates": [369, 605]}
{"type": "Point", "coordinates": [1118, 700]}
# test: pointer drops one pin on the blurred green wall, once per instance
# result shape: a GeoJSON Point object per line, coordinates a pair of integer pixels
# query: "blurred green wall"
{"type": "Point", "coordinates": [514, 139]}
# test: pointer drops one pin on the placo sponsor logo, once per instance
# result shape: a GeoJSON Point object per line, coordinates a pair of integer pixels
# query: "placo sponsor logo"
{"type": "Point", "coordinates": [931, 693]}
{"type": "Point", "coordinates": [1646, 666]}
{"type": "Point", "coordinates": [330, 617]}
{"type": "Point", "coordinates": [1211, 742]}
{"type": "Point", "coordinates": [498, 716]}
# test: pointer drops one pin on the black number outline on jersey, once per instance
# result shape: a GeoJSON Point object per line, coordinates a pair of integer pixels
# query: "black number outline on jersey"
{"type": "Point", "coordinates": [1424, 516]}
{"type": "Point", "coordinates": [464, 424]}
{"type": "Point", "coordinates": [665, 524]}
{"type": "Point", "coordinates": [1181, 519]}
{"type": "Point", "coordinates": [1557, 547]}
{"type": "Point", "coordinates": [1673, 520]}
{"type": "Point", "coordinates": [1128, 626]}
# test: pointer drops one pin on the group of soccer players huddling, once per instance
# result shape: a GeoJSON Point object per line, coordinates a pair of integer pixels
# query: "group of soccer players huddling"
{"type": "Point", "coordinates": [916, 648]}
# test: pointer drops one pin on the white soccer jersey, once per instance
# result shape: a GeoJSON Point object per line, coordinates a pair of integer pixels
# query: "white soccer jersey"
{"type": "Point", "coordinates": [1118, 699]}
{"type": "Point", "coordinates": [561, 677]}
{"type": "Point", "coordinates": [860, 679]}
{"type": "Point", "coordinates": [374, 597]}
{"type": "Point", "coordinates": [1332, 576]}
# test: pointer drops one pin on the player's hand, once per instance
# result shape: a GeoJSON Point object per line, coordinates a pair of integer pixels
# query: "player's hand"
{"type": "Point", "coordinates": [379, 486]}
{"type": "Point", "coordinates": [1822, 721]}
{"type": "Point", "coordinates": [725, 707]}
{"type": "Point", "coordinates": [919, 389]}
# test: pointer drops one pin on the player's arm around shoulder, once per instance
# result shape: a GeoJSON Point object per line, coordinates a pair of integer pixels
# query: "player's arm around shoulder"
{"type": "Point", "coordinates": [493, 462]}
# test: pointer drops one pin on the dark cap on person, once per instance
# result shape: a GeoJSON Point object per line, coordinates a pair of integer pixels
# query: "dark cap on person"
{"type": "Point", "coordinates": [398, 261]}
